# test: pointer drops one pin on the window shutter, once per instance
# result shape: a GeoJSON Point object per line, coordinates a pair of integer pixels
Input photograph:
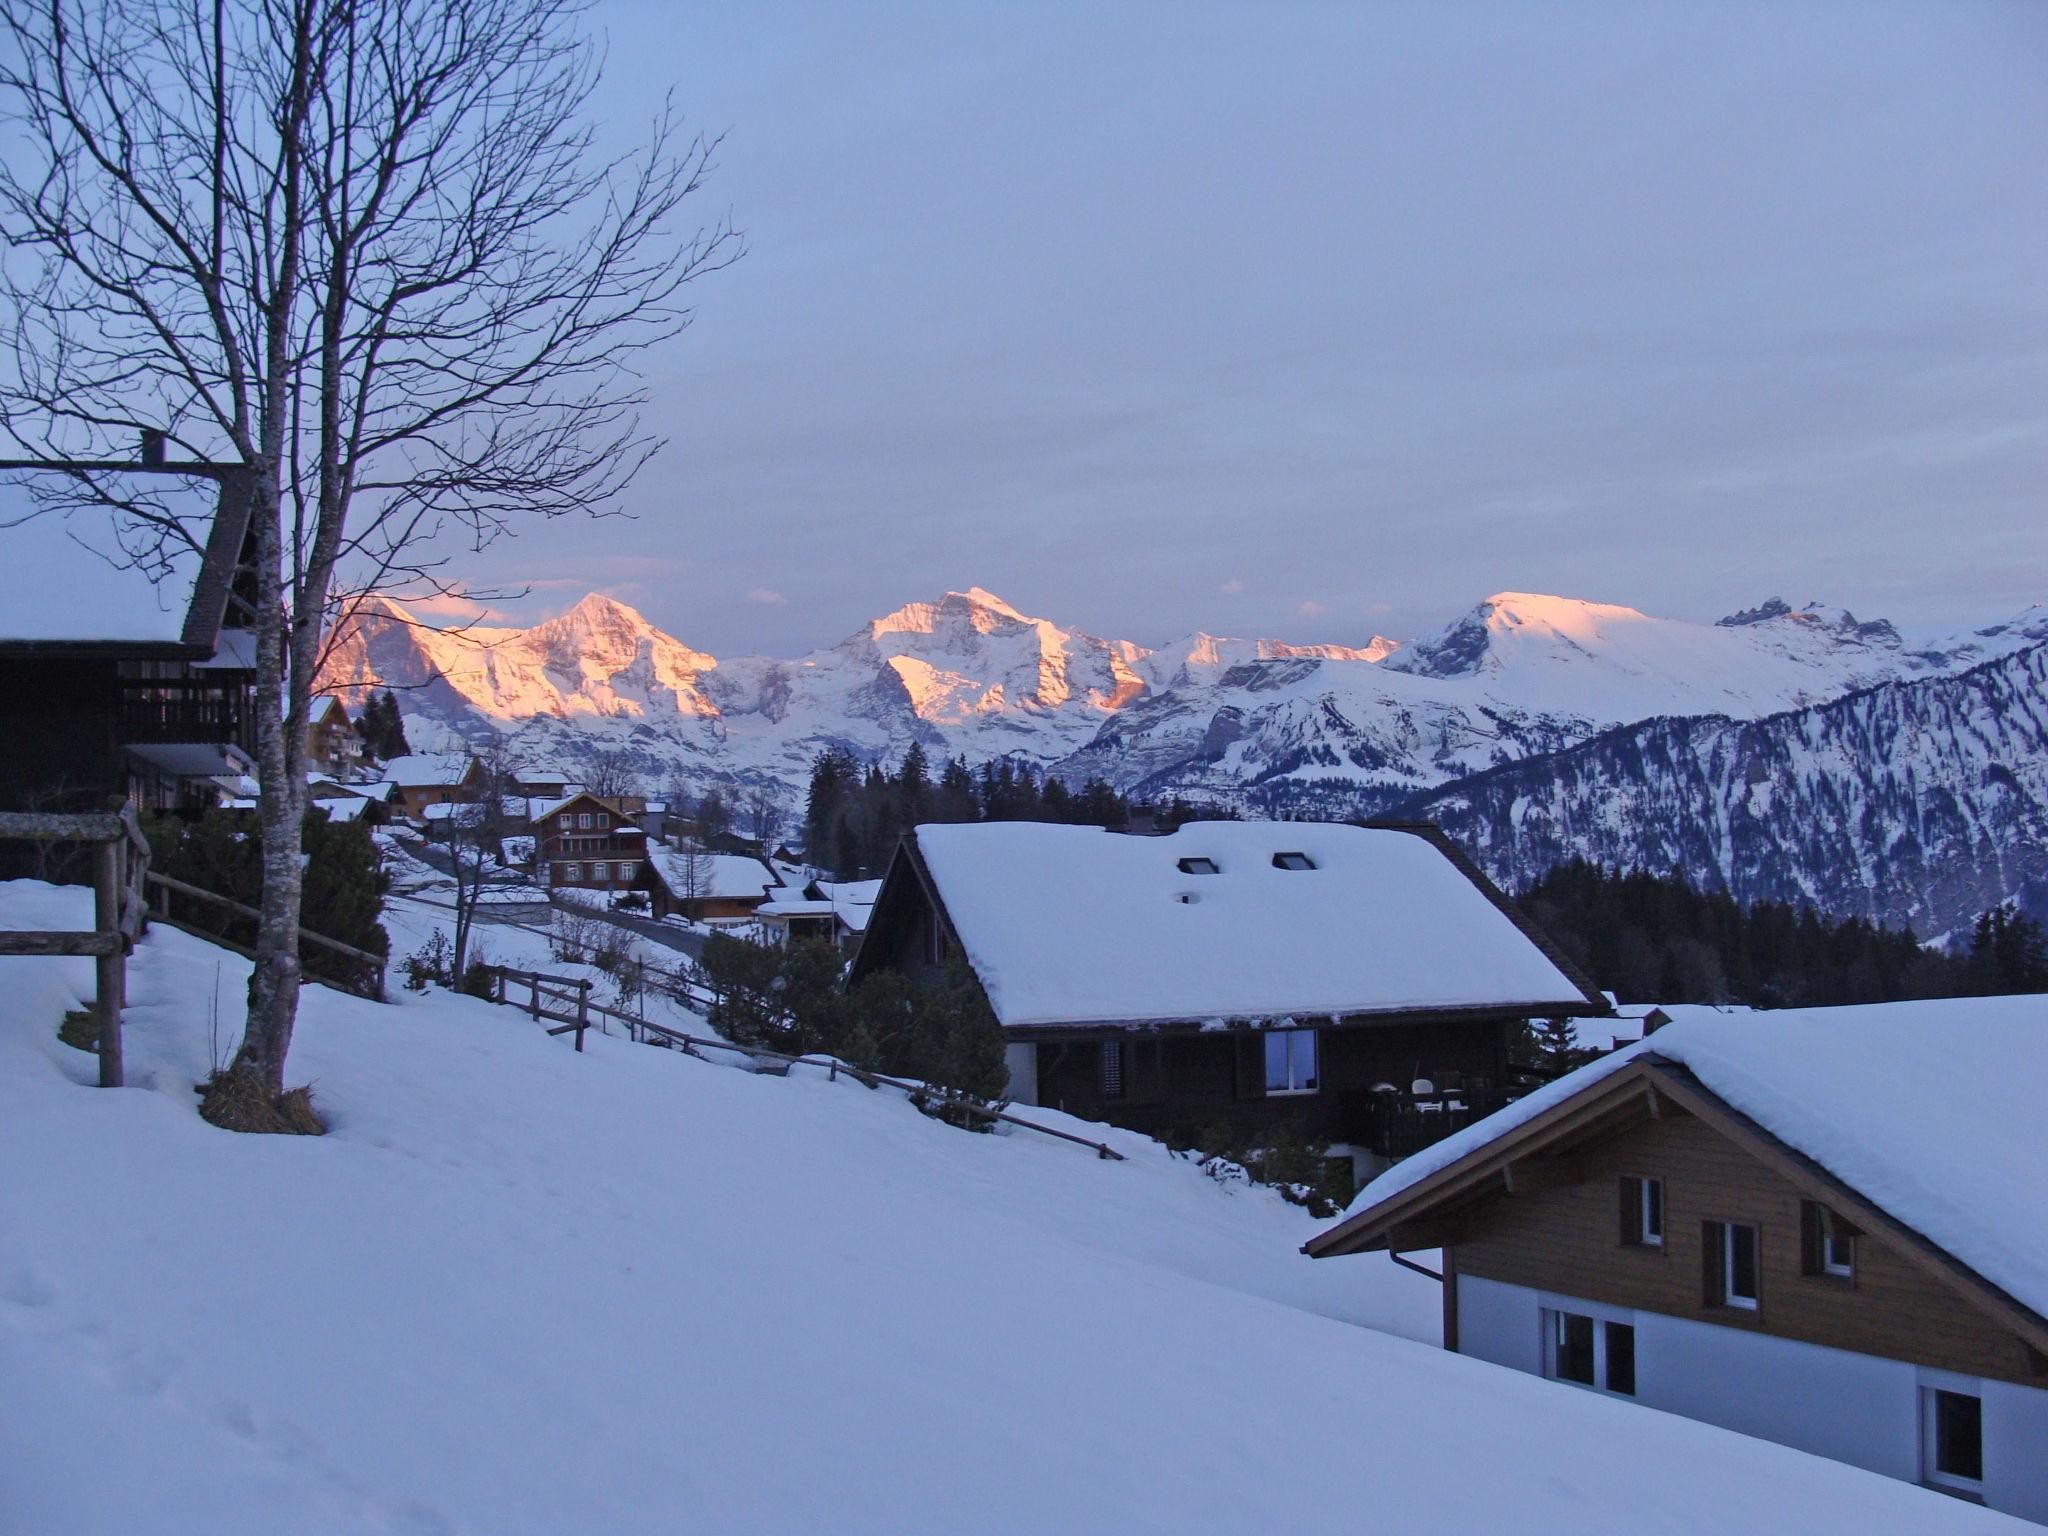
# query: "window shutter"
{"type": "Point", "coordinates": [1631, 1208]}
{"type": "Point", "coordinates": [1811, 1259]}
{"type": "Point", "coordinates": [1710, 1245]}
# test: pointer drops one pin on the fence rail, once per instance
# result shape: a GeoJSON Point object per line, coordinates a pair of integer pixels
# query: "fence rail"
{"type": "Point", "coordinates": [120, 906]}
{"type": "Point", "coordinates": [544, 990]}
{"type": "Point", "coordinates": [364, 977]}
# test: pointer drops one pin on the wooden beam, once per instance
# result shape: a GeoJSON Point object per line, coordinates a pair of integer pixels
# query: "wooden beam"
{"type": "Point", "coordinates": [40, 827]}
{"type": "Point", "coordinates": [60, 943]}
{"type": "Point", "coordinates": [110, 966]}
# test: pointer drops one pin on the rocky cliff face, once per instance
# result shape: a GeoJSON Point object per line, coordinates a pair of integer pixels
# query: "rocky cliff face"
{"type": "Point", "coordinates": [1920, 802]}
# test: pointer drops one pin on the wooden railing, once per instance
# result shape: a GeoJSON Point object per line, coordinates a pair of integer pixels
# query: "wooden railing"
{"type": "Point", "coordinates": [553, 997]}
{"type": "Point", "coordinates": [120, 863]}
{"type": "Point", "coordinates": [362, 975]}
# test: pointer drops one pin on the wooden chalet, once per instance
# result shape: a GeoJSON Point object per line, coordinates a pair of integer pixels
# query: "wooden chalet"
{"type": "Point", "coordinates": [420, 779]}
{"type": "Point", "coordinates": [706, 886]}
{"type": "Point", "coordinates": [1361, 985]}
{"type": "Point", "coordinates": [1820, 1228]}
{"type": "Point", "coordinates": [588, 843]}
{"type": "Point", "coordinates": [333, 745]}
{"type": "Point", "coordinates": [116, 684]}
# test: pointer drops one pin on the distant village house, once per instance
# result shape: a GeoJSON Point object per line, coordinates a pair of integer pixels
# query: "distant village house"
{"type": "Point", "coordinates": [1362, 985]}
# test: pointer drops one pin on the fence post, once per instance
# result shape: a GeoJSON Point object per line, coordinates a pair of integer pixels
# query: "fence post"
{"type": "Point", "coordinates": [582, 1011]}
{"type": "Point", "coordinates": [107, 968]}
{"type": "Point", "coordinates": [533, 981]}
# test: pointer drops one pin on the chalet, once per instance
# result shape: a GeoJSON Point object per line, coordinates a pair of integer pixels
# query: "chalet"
{"type": "Point", "coordinates": [1362, 985]}
{"type": "Point", "coordinates": [421, 779]}
{"type": "Point", "coordinates": [117, 680]}
{"type": "Point", "coordinates": [836, 911]}
{"type": "Point", "coordinates": [332, 745]}
{"type": "Point", "coordinates": [586, 843]}
{"type": "Point", "coordinates": [1821, 1228]}
{"type": "Point", "coordinates": [705, 886]}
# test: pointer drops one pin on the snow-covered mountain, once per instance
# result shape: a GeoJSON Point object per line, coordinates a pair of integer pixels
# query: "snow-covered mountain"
{"type": "Point", "coordinates": [1255, 722]}
{"type": "Point", "coordinates": [1921, 802]}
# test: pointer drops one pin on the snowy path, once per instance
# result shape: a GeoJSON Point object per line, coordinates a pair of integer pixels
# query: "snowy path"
{"type": "Point", "coordinates": [518, 1290]}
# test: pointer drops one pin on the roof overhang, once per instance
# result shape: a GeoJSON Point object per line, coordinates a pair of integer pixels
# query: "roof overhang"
{"type": "Point", "coordinates": [1438, 1210]}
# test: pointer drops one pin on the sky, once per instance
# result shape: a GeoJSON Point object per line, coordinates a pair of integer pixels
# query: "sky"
{"type": "Point", "coordinates": [1324, 320]}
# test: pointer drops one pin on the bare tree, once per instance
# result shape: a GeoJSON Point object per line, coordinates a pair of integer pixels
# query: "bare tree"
{"type": "Point", "coordinates": [611, 775]}
{"type": "Point", "coordinates": [764, 819]}
{"type": "Point", "coordinates": [476, 842]}
{"type": "Point", "coordinates": [365, 252]}
{"type": "Point", "coordinates": [691, 871]}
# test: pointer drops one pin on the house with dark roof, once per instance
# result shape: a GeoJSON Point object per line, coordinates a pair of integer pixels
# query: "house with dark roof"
{"type": "Point", "coordinates": [1363, 985]}
{"type": "Point", "coordinates": [1819, 1227]}
{"type": "Point", "coordinates": [126, 678]}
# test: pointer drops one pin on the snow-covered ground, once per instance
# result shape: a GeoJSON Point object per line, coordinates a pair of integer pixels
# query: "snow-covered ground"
{"type": "Point", "coordinates": [520, 1290]}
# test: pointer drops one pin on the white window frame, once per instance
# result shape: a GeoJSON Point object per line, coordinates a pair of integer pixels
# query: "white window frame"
{"type": "Point", "coordinates": [600, 873]}
{"type": "Point", "coordinates": [571, 873]}
{"type": "Point", "coordinates": [1556, 1308]}
{"type": "Point", "coordinates": [604, 821]}
{"type": "Point", "coordinates": [1932, 1382]}
{"type": "Point", "coordinates": [1829, 1237]}
{"type": "Point", "coordinates": [1728, 1296]}
{"type": "Point", "coordinates": [1646, 1235]}
{"type": "Point", "coordinates": [582, 821]}
{"type": "Point", "coordinates": [1315, 1084]}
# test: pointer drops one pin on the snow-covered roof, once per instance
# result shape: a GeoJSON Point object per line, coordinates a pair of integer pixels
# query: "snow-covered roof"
{"type": "Point", "coordinates": [1929, 1110]}
{"type": "Point", "coordinates": [351, 809]}
{"type": "Point", "coordinates": [428, 770]}
{"type": "Point", "coordinates": [720, 876]}
{"type": "Point", "coordinates": [1073, 925]}
{"type": "Point", "coordinates": [323, 708]}
{"type": "Point", "coordinates": [852, 900]}
{"type": "Point", "coordinates": [795, 908]}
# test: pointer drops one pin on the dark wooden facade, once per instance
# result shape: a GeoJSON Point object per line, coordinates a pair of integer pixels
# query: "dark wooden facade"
{"type": "Point", "coordinates": [1168, 1077]}
{"type": "Point", "coordinates": [590, 844]}
{"type": "Point", "coordinates": [82, 721]}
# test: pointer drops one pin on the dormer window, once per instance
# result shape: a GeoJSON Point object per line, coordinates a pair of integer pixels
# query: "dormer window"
{"type": "Point", "coordinates": [1198, 866]}
{"type": "Point", "coordinates": [1293, 861]}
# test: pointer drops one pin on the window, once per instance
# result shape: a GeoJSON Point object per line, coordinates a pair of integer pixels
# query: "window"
{"type": "Point", "coordinates": [604, 821]}
{"type": "Point", "coordinates": [1290, 1061]}
{"type": "Point", "coordinates": [1642, 1212]}
{"type": "Point", "coordinates": [1620, 1339]}
{"type": "Point", "coordinates": [1952, 1439]}
{"type": "Point", "coordinates": [600, 872]}
{"type": "Point", "coordinates": [1827, 1243]}
{"type": "Point", "coordinates": [572, 871]}
{"type": "Point", "coordinates": [1198, 866]}
{"type": "Point", "coordinates": [1591, 1352]}
{"type": "Point", "coordinates": [1112, 1069]}
{"type": "Point", "coordinates": [1293, 861]}
{"type": "Point", "coordinates": [1731, 1249]}
{"type": "Point", "coordinates": [628, 871]}
{"type": "Point", "coordinates": [583, 819]}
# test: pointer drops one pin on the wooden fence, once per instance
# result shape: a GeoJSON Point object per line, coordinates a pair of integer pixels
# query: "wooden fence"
{"type": "Point", "coordinates": [362, 972]}
{"type": "Point", "coordinates": [120, 864]}
{"type": "Point", "coordinates": [565, 1001]}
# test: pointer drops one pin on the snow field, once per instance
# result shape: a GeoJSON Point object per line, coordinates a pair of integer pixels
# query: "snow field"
{"type": "Point", "coordinates": [520, 1290]}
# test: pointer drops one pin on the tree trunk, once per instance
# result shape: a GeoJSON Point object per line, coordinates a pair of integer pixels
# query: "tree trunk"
{"type": "Point", "coordinates": [274, 978]}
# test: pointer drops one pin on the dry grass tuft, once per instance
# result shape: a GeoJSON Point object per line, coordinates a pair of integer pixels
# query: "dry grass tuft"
{"type": "Point", "coordinates": [235, 1101]}
{"type": "Point", "coordinates": [80, 1030]}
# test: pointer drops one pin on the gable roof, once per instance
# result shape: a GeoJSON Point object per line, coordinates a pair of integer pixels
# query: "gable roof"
{"type": "Point", "coordinates": [59, 592]}
{"type": "Point", "coordinates": [1070, 925]}
{"type": "Point", "coordinates": [720, 876]}
{"type": "Point", "coordinates": [429, 770]}
{"type": "Point", "coordinates": [1918, 1119]}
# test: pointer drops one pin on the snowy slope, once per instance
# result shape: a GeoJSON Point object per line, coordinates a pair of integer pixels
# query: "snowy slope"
{"type": "Point", "coordinates": [518, 1290]}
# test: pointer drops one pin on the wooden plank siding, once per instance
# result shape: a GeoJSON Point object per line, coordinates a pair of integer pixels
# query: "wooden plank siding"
{"type": "Point", "coordinates": [1567, 1238]}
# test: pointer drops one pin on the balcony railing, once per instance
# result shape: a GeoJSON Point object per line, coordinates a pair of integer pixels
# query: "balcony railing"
{"type": "Point", "coordinates": [1405, 1123]}
{"type": "Point", "coordinates": [161, 716]}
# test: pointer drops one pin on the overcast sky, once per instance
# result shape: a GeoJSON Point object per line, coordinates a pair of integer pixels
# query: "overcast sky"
{"type": "Point", "coordinates": [1321, 320]}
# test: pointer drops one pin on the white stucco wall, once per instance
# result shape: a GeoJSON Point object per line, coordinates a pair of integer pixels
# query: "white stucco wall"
{"type": "Point", "coordinates": [1855, 1408]}
{"type": "Point", "coordinates": [1022, 1060]}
